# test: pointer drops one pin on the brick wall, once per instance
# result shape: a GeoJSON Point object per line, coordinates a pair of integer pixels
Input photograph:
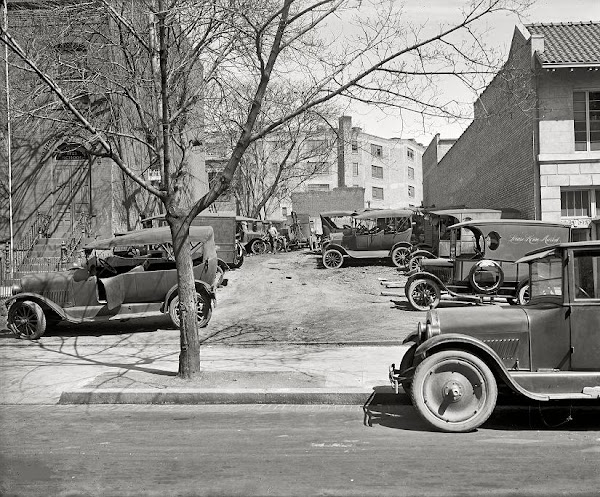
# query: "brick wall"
{"type": "Point", "coordinates": [492, 164]}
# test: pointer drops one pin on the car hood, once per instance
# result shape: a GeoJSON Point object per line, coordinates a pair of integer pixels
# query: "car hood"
{"type": "Point", "coordinates": [481, 321]}
{"type": "Point", "coordinates": [40, 282]}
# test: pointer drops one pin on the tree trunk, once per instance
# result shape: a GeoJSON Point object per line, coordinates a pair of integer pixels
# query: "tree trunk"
{"type": "Point", "coordinates": [189, 357]}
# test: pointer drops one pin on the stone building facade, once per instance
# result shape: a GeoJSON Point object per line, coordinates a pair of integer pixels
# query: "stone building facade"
{"type": "Point", "coordinates": [534, 143]}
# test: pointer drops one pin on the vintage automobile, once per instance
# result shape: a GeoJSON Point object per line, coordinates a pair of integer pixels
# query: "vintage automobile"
{"type": "Point", "coordinates": [435, 224]}
{"type": "Point", "coordinates": [251, 234]}
{"type": "Point", "coordinates": [548, 349]}
{"type": "Point", "coordinates": [376, 234]}
{"type": "Point", "coordinates": [135, 277]}
{"type": "Point", "coordinates": [482, 262]}
{"type": "Point", "coordinates": [335, 222]}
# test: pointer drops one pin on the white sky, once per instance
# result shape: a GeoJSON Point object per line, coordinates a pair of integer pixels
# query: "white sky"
{"type": "Point", "coordinates": [499, 33]}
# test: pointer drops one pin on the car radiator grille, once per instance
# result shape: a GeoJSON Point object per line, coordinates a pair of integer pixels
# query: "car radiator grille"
{"type": "Point", "coordinates": [506, 348]}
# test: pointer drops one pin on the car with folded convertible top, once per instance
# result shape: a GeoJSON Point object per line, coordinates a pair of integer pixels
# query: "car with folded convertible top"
{"type": "Point", "coordinates": [546, 350]}
{"type": "Point", "coordinates": [127, 276]}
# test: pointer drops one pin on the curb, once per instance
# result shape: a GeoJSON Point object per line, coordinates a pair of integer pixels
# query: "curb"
{"type": "Point", "coordinates": [191, 396]}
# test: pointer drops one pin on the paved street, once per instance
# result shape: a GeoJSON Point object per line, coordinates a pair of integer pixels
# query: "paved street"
{"type": "Point", "coordinates": [288, 450]}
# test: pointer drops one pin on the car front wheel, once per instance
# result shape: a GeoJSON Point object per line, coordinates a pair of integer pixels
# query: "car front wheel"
{"type": "Point", "coordinates": [333, 259]}
{"type": "Point", "coordinates": [203, 309]}
{"type": "Point", "coordinates": [423, 294]}
{"type": "Point", "coordinates": [26, 319]}
{"type": "Point", "coordinates": [523, 294]}
{"type": "Point", "coordinates": [258, 247]}
{"type": "Point", "coordinates": [400, 257]}
{"type": "Point", "coordinates": [454, 391]}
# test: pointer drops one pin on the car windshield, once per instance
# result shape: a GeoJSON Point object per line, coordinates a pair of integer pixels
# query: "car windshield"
{"type": "Point", "coordinates": [587, 274]}
{"type": "Point", "coordinates": [546, 277]}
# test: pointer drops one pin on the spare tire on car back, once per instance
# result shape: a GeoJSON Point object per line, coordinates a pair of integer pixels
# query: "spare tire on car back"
{"type": "Point", "coordinates": [486, 276]}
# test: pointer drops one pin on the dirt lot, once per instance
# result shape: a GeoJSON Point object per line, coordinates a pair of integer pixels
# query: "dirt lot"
{"type": "Point", "coordinates": [292, 297]}
{"type": "Point", "coordinates": [288, 297]}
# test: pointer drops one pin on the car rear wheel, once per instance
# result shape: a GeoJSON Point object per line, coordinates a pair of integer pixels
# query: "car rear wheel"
{"type": "Point", "coordinates": [258, 247]}
{"type": "Point", "coordinates": [26, 319]}
{"type": "Point", "coordinates": [400, 257]}
{"type": "Point", "coordinates": [333, 259]}
{"type": "Point", "coordinates": [423, 294]}
{"type": "Point", "coordinates": [203, 309]}
{"type": "Point", "coordinates": [454, 391]}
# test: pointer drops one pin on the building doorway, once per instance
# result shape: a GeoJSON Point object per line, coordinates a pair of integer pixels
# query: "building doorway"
{"type": "Point", "coordinates": [71, 188]}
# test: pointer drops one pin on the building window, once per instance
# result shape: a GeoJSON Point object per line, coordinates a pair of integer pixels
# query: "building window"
{"type": "Point", "coordinates": [377, 193]}
{"type": "Point", "coordinates": [377, 150]}
{"type": "Point", "coordinates": [575, 203]}
{"type": "Point", "coordinates": [316, 146]}
{"type": "Point", "coordinates": [317, 187]}
{"type": "Point", "coordinates": [355, 169]}
{"type": "Point", "coordinates": [318, 168]}
{"type": "Point", "coordinates": [411, 173]}
{"type": "Point", "coordinates": [586, 116]}
{"type": "Point", "coordinates": [377, 172]}
{"type": "Point", "coordinates": [284, 211]}
{"type": "Point", "coordinates": [354, 146]}
{"type": "Point", "coordinates": [410, 153]}
{"type": "Point", "coordinates": [411, 191]}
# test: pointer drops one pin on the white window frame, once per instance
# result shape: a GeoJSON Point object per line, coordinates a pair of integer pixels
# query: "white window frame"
{"type": "Point", "coordinates": [378, 169]}
{"type": "Point", "coordinates": [588, 143]}
{"type": "Point", "coordinates": [378, 189]}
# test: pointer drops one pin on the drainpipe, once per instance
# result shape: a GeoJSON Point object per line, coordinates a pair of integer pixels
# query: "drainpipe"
{"type": "Point", "coordinates": [8, 141]}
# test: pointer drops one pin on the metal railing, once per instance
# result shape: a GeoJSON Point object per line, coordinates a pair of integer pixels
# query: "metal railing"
{"type": "Point", "coordinates": [81, 230]}
{"type": "Point", "coordinates": [24, 246]}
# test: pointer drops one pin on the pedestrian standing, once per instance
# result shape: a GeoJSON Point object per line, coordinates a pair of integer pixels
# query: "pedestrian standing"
{"type": "Point", "coordinates": [273, 234]}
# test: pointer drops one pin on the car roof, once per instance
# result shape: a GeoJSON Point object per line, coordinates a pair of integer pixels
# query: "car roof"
{"type": "Point", "coordinates": [546, 251]}
{"type": "Point", "coordinates": [452, 212]}
{"type": "Point", "coordinates": [516, 222]}
{"type": "Point", "coordinates": [149, 236]}
{"type": "Point", "coordinates": [338, 213]}
{"type": "Point", "coordinates": [379, 213]}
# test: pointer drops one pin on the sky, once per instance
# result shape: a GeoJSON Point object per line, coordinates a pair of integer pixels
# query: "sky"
{"type": "Point", "coordinates": [499, 33]}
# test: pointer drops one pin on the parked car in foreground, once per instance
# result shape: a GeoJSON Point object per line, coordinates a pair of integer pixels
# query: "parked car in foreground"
{"type": "Point", "coordinates": [482, 262]}
{"type": "Point", "coordinates": [134, 276]}
{"type": "Point", "coordinates": [375, 234]}
{"type": "Point", "coordinates": [546, 350]}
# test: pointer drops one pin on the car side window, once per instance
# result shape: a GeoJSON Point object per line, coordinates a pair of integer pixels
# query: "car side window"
{"type": "Point", "coordinates": [587, 275]}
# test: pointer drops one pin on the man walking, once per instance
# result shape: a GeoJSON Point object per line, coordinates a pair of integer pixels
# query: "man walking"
{"type": "Point", "coordinates": [273, 234]}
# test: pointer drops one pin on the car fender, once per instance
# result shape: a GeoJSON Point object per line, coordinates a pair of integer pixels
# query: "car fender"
{"type": "Point", "coordinates": [202, 288]}
{"type": "Point", "coordinates": [223, 265]}
{"type": "Point", "coordinates": [423, 253]}
{"type": "Point", "coordinates": [401, 244]}
{"type": "Point", "coordinates": [424, 275]}
{"type": "Point", "coordinates": [478, 348]}
{"type": "Point", "coordinates": [42, 301]}
{"type": "Point", "coordinates": [337, 247]}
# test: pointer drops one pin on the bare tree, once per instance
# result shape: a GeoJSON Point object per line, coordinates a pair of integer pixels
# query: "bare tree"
{"type": "Point", "coordinates": [357, 49]}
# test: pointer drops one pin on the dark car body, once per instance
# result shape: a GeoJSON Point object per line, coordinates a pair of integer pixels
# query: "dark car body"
{"type": "Point", "coordinates": [375, 234]}
{"type": "Point", "coordinates": [135, 276]}
{"type": "Point", "coordinates": [548, 349]}
{"type": "Point", "coordinates": [482, 262]}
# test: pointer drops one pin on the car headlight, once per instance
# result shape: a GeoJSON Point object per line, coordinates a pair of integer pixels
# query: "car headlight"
{"type": "Point", "coordinates": [431, 327]}
{"type": "Point", "coordinates": [16, 289]}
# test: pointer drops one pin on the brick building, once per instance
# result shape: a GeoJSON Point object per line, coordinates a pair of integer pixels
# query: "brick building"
{"type": "Point", "coordinates": [534, 143]}
{"type": "Point", "coordinates": [55, 173]}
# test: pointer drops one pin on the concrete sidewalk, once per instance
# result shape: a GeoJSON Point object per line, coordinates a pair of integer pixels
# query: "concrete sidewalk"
{"type": "Point", "coordinates": [70, 373]}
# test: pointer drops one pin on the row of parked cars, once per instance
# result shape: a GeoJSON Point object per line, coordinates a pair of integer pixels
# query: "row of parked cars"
{"type": "Point", "coordinates": [547, 348]}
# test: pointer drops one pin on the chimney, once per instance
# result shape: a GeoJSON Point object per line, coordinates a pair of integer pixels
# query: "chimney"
{"type": "Point", "coordinates": [344, 147]}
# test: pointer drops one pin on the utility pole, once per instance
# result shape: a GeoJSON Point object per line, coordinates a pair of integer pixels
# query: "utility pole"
{"type": "Point", "coordinates": [8, 138]}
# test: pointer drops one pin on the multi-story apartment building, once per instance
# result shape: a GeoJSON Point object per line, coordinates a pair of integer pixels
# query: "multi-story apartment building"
{"type": "Point", "coordinates": [389, 169]}
{"type": "Point", "coordinates": [534, 143]}
{"type": "Point", "coordinates": [346, 159]}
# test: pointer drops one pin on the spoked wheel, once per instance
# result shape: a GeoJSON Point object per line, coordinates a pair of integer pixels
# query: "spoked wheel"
{"type": "Point", "coordinates": [400, 257]}
{"type": "Point", "coordinates": [258, 247]}
{"type": "Point", "coordinates": [423, 294]}
{"type": "Point", "coordinates": [333, 259]}
{"type": "Point", "coordinates": [203, 309]}
{"type": "Point", "coordinates": [26, 319]}
{"type": "Point", "coordinates": [454, 391]}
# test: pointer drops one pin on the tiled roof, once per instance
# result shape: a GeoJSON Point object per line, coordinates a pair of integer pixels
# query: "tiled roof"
{"type": "Point", "coordinates": [569, 43]}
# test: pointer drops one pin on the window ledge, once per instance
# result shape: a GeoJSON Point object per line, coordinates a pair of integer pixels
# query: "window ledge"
{"type": "Point", "coordinates": [575, 157]}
